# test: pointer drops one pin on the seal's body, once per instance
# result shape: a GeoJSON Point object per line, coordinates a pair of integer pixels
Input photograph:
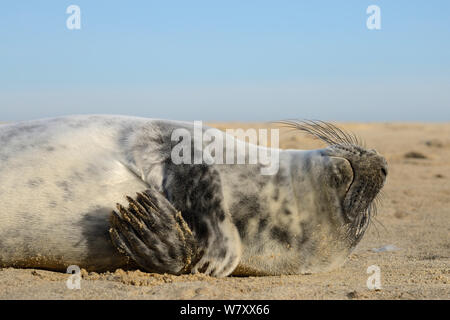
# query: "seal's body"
{"type": "Point", "coordinates": [61, 178]}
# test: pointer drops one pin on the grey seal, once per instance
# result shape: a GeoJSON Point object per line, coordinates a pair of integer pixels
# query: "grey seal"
{"type": "Point", "coordinates": [101, 192]}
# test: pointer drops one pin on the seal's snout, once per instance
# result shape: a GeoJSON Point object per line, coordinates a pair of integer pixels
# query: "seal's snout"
{"type": "Point", "coordinates": [382, 161]}
{"type": "Point", "coordinates": [366, 168]}
{"type": "Point", "coordinates": [383, 167]}
{"type": "Point", "coordinates": [383, 172]}
{"type": "Point", "coordinates": [379, 164]}
{"type": "Point", "coordinates": [370, 173]}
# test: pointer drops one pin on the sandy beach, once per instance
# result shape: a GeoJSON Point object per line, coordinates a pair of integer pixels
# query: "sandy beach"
{"type": "Point", "coordinates": [410, 235]}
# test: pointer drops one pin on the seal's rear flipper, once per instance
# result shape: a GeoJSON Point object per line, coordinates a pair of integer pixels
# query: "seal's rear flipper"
{"type": "Point", "coordinates": [154, 234]}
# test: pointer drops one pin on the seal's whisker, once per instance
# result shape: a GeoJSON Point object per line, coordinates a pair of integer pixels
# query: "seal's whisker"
{"type": "Point", "coordinates": [372, 223]}
{"type": "Point", "coordinates": [342, 135]}
{"type": "Point", "coordinates": [328, 129]}
{"type": "Point", "coordinates": [314, 130]}
{"type": "Point", "coordinates": [376, 220]}
{"type": "Point", "coordinates": [378, 200]}
{"type": "Point", "coordinates": [325, 131]}
{"type": "Point", "coordinates": [381, 195]}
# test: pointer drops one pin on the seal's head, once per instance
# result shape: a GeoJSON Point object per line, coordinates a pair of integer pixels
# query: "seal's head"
{"type": "Point", "coordinates": [340, 194]}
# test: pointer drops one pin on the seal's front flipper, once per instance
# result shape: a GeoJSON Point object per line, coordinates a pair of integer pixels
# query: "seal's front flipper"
{"type": "Point", "coordinates": [154, 234]}
{"type": "Point", "coordinates": [157, 237]}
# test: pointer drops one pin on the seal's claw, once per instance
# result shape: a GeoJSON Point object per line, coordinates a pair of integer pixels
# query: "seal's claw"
{"type": "Point", "coordinates": [154, 234]}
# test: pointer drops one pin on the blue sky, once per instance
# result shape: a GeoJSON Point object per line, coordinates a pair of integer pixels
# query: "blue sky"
{"type": "Point", "coordinates": [226, 60]}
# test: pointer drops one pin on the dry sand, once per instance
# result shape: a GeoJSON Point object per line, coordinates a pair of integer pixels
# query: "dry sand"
{"type": "Point", "coordinates": [414, 217]}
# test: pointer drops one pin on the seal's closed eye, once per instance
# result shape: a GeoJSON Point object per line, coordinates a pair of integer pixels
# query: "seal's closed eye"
{"type": "Point", "coordinates": [341, 174]}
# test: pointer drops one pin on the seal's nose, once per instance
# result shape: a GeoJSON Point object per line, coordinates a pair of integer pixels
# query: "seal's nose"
{"type": "Point", "coordinates": [378, 163]}
{"type": "Point", "coordinates": [384, 167]}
